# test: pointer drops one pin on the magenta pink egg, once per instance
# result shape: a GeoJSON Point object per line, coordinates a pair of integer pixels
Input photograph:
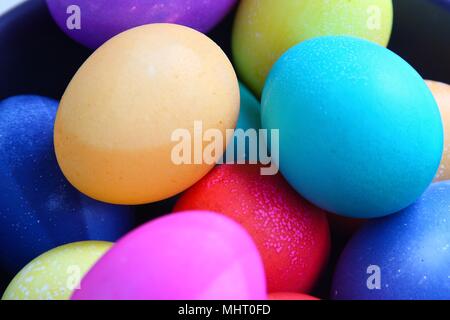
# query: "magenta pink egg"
{"type": "Point", "coordinates": [193, 255]}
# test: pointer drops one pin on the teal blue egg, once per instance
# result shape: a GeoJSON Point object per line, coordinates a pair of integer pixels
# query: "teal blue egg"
{"type": "Point", "coordinates": [249, 119]}
{"type": "Point", "coordinates": [360, 132]}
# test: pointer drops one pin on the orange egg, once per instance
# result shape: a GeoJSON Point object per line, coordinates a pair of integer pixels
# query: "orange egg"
{"type": "Point", "coordinates": [113, 131]}
{"type": "Point", "coordinates": [441, 92]}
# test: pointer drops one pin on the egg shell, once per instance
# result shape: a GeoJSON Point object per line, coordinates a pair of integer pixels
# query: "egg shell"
{"type": "Point", "coordinates": [265, 29]}
{"type": "Point", "coordinates": [39, 209]}
{"type": "Point", "coordinates": [55, 274]}
{"type": "Point", "coordinates": [441, 93]}
{"type": "Point", "coordinates": [291, 234]}
{"type": "Point", "coordinates": [101, 20]}
{"type": "Point", "coordinates": [360, 132]}
{"type": "Point", "coordinates": [249, 116]}
{"type": "Point", "coordinates": [291, 296]}
{"type": "Point", "coordinates": [115, 124]}
{"type": "Point", "coordinates": [410, 248]}
{"type": "Point", "coordinates": [187, 256]}
{"type": "Point", "coordinates": [249, 119]}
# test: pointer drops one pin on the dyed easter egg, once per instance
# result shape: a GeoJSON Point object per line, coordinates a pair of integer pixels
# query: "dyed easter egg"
{"type": "Point", "coordinates": [290, 296]}
{"type": "Point", "coordinates": [441, 93]}
{"type": "Point", "coordinates": [55, 274]}
{"type": "Point", "coordinates": [92, 23]}
{"type": "Point", "coordinates": [128, 124]}
{"type": "Point", "coordinates": [291, 234]}
{"type": "Point", "coordinates": [360, 132]}
{"type": "Point", "coordinates": [246, 137]}
{"type": "Point", "coordinates": [405, 256]}
{"type": "Point", "coordinates": [249, 117]}
{"type": "Point", "coordinates": [265, 29]}
{"type": "Point", "coordinates": [188, 256]}
{"type": "Point", "coordinates": [39, 209]}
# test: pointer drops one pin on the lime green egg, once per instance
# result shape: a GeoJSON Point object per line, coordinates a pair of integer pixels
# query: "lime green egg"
{"type": "Point", "coordinates": [265, 29]}
{"type": "Point", "coordinates": [55, 274]}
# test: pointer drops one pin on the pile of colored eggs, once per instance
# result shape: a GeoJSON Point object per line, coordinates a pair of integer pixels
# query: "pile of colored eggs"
{"type": "Point", "coordinates": [336, 128]}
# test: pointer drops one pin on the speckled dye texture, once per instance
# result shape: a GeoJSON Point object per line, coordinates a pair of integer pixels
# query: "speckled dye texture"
{"type": "Point", "coordinates": [291, 234]}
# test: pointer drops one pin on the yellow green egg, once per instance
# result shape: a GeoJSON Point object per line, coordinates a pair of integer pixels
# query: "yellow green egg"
{"type": "Point", "coordinates": [265, 29]}
{"type": "Point", "coordinates": [55, 274]}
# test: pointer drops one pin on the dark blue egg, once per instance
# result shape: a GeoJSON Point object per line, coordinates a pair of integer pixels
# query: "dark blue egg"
{"type": "Point", "coordinates": [39, 209]}
{"type": "Point", "coordinates": [405, 256]}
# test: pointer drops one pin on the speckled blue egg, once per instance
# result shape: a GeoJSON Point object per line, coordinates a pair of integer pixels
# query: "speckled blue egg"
{"type": "Point", "coordinates": [360, 132]}
{"type": "Point", "coordinates": [39, 209]}
{"type": "Point", "coordinates": [405, 256]}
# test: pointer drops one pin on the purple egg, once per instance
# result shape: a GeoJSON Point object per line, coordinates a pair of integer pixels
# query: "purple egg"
{"type": "Point", "coordinates": [92, 23]}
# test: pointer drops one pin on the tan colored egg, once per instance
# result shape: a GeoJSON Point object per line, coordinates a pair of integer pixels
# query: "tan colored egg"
{"type": "Point", "coordinates": [441, 92]}
{"type": "Point", "coordinates": [115, 124]}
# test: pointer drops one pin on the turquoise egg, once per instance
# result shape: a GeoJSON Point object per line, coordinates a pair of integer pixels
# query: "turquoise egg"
{"type": "Point", "coordinates": [249, 119]}
{"type": "Point", "coordinates": [249, 116]}
{"type": "Point", "coordinates": [360, 132]}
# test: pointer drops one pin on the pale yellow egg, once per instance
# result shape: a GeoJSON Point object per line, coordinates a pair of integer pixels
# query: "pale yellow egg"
{"type": "Point", "coordinates": [115, 124]}
{"type": "Point", "coordinates": [55, 274]}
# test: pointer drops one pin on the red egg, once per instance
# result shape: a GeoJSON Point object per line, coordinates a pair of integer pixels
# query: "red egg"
{"type": "Point", "coordinates": [291, 234]}
{"type": "Point", "coordinates": [290, 296]}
